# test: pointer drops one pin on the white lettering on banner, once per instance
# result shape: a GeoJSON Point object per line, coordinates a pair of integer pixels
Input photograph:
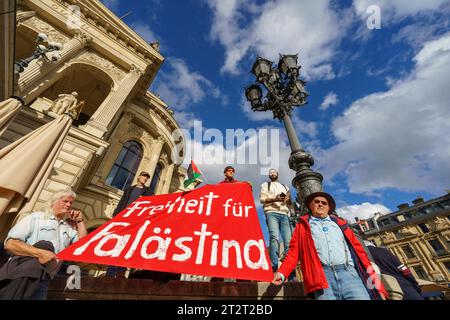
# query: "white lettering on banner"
{"type": "Point", "coordinates": [121, 242]}
{"type": "Point", "coordinates": [227, 244]}
{"type": "Point", "coordinates": [161, 250]}
{"type": "Point", "coordinates": [156, 208]}
{"type": "Point", "coordinates": [180, 205]}
{"type": "Point", "coordinates": [101, 234]}
{"type": "Point", "coordinates": [136, 241]}
{"type": "Point", "coordinates": [135, 207]}
{"type": "Point", "coordinates": [187, 251]}
{"type": "Point", "coordinates": [213, 260]}
{"type": "Point", "coordinates": [262, 262]}
{"type": "Point", "coordinates": [163, 245]}
{"type": "Point", "coordinates": [237, 212]}
{"type": "Point", "coordinates": [210, 198]}
{"type": "Point", "coordinates": [191, 203]}
{"type": "Point", "coordinates": [203, 234]}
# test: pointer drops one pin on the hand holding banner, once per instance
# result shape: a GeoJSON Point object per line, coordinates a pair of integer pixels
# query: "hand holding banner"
{"type": "Point", "coordinates": [210, 231]}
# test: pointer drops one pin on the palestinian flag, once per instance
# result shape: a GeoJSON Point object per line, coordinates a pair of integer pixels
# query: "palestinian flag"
{"type": "Point", "coordinates": [192, 174]}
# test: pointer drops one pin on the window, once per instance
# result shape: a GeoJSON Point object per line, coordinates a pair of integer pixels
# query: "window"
{"type": "Point", "coordinates": [437, 246]}
{"type": "Point", "coordinates": [408, 252]}
{"type": "Point", "coordinates": [447, 265]}
{"type": "Point", "coordinates": [156, 178]}
{"type": "Point", "coordinates": [420, 272]}
{"type": "Point", "coordinates": [124, 169]}
{"type": "Point", "coordinates": [408, 215]}
{"type": "Point", "coordinates": [446, 203]}
{"type": "Point", "coordinates": [423, 227]}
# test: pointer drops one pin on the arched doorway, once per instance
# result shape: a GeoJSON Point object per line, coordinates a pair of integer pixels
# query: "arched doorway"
{"type": "Point", "coordinates": [92, 85]}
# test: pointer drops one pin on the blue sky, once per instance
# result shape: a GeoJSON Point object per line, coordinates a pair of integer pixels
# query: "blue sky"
{"type": "Point", "coordinates": [377, 119]}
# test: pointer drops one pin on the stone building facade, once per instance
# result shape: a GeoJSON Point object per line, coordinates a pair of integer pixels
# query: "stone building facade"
{"type": "Point", "coordinates": [111, 69]}
{"type": "Point", "coordinates": [418, 234]}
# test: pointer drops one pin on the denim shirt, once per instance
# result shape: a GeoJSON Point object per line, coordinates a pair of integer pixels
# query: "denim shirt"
{"type": "Point", "coordinates": [38, 226]}
{"type": "Point", "coordinates": [330, 242]}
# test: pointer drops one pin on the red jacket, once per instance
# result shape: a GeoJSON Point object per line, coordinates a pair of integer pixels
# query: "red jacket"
{"type": "Point", "coordinates": [303, 249]}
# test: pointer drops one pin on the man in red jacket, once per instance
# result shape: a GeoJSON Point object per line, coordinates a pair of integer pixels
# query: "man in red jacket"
{"type": "Point", "coordinates": [333, 262]}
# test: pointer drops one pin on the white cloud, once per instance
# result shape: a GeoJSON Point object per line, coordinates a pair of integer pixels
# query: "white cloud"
{"type": "Point", "coordinates": [181, 87]}
{"type": "Point", "coordinates": [185, 119]}
{"type": "Point", "coordinates": [252, 115]}
{"type": "Point", "coordinates": [143, 29]}
{"type": "Point", "coordinates": [362, 211]}
{"type": "Point", "coordinates": [331, 99]}
{"type": "Point", "coordinates": [399, 138]}
{"type": "Point", "coordinates": [302, 127]}
{"type": "Point", "coordinates": [311, 28]}
{"type": "Point", "coordinates": [213, 157]}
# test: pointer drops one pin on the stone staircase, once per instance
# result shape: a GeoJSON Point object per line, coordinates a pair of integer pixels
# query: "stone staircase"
{"type": "Point", "coordinates": [102, 288]}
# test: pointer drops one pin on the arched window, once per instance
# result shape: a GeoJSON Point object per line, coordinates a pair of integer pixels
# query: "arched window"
{"type": "Point", "coordinates": [156, 178]}
{"type": "Point", "coordinates": [124, 169]}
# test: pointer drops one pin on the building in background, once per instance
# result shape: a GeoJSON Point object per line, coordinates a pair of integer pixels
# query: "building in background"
{"type": "Point", "coordinates": [122, 128]}
{"type": "Point", "coordinates": [418, 234]}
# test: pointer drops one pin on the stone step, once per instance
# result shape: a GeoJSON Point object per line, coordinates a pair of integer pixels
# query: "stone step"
{"type": "Point", "coordinates": [93, 288]}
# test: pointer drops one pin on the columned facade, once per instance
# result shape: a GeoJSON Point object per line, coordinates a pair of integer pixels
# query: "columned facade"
{"type": "Point", "coordinates": [38, 69]}
{"type": "Point", "coordinates": [110, 67]}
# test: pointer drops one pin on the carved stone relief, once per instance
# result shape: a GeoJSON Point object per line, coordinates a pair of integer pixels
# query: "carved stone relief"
{"type": "Point", "coordinates": [164, 157]}
{"type": "Point", "coordinates": [42, 26]}
{"type": "Point", "coordinates": [136, 130]}
{"type": "Point", "coordinates": [388, 237]}
{"type": "Point", "coordinates": [440, 223]}
{"type": "Point", "coordinates": [409, 231]}
{"type": "Point", "coordinates": [104, 64]}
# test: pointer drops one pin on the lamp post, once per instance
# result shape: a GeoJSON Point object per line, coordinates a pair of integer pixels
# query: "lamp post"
{"type": "Point", "coordinates": [42, 49]}
{"type": "Point", "coordinates": [284, 91]}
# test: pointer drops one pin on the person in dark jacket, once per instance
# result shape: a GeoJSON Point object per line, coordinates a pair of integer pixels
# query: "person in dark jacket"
{"type": "Point", "coordinates": [21, 276]}
{"type": "Point", "coordinates": [130, 194]}
{"type": "Point", "coordinates": [391, 265]}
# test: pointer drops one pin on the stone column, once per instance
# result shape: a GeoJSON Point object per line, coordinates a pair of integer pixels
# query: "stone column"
{"type": "Point", "coordinates": [168, 179]}
{"type": "Point", "coordinates": [7, 37]}
{"type": "Point", "coordinates": [100, 121]}
{"type": "Point", "coordinates": [155, 153]}
{"type": "Point", "coordinates": [38, 70]}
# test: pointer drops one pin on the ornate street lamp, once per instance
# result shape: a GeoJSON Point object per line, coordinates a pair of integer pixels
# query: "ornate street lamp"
{"type": "Point", "coordinates": [43, 49]}
{"type": "Point", "coordinates": [284, 90]}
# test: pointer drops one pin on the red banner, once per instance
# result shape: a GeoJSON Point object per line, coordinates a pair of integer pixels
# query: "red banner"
{"type": "Point", "coordinates": [210, 231]}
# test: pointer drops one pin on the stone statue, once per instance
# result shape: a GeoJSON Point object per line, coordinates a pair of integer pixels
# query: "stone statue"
{"type": "Point", "coordinates": [155, 45]}
{"type": "Point", "coordinates": [388, 237]}
{"type": "Point", "coordinates": [65, 103]}
{"type": "Point", "coordinates": [440, 222]}
{"type": "Point", "coordinates": [409, 231]}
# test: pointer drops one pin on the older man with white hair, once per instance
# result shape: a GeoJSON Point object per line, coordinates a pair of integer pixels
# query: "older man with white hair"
{"type": "Point", "coordinates": [43, 234]}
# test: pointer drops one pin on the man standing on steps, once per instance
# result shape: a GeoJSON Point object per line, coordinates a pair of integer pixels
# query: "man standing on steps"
{"type": "Point", "coordinates": [275, 198]}
{"type": "Point", "coordinates": [333, 262]}
{"type": "Point", "coordinates": [130, 194]}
